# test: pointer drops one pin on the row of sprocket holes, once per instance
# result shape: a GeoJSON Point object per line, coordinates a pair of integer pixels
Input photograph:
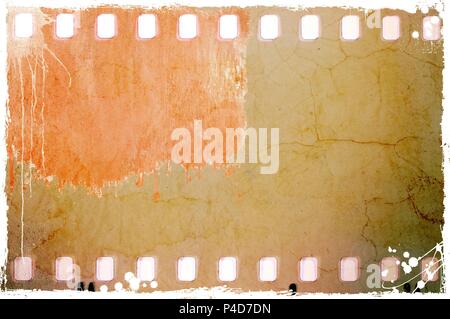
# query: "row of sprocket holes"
{"type": "Point", "coordinates": [349, 269]}
{"type": "Point", "coordinates": [269, 27]}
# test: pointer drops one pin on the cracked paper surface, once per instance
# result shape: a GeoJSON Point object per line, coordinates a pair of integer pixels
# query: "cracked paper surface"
{"type": "Point", "coordinates": [360, 156]}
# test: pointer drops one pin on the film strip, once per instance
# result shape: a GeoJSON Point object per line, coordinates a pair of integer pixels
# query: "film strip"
{"type": "Point", "coordinates": [259, 148]}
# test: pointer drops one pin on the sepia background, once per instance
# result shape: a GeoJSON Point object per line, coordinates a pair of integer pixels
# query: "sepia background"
{"type": "Point", "coordinates": [89, 148]}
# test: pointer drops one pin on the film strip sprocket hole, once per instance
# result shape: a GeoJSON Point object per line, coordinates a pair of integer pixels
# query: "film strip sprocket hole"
{"type": "Point", "coordinates": [257, 148]}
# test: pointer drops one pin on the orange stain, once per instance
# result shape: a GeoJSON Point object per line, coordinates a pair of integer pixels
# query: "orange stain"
{"type": "Point", "coordinates": [97, 111]}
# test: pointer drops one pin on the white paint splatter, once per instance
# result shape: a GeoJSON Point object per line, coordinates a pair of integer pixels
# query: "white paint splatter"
{"type": "Point", "coordinates": [413, 262]}
{"type": "Point", "coordinates": [420, 284]}
{"type": "Point", "coordinates": [134, 284]}
{"type": "Point", "coordinates": [406, 268]}
{"type": "Point", "coordinates": [128, 276]}
{"type": "Point", "coordinates": [392, 250]}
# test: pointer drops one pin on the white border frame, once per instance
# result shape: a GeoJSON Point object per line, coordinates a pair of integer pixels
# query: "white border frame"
{"type": "Point", "coordinates": [219, 292]}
